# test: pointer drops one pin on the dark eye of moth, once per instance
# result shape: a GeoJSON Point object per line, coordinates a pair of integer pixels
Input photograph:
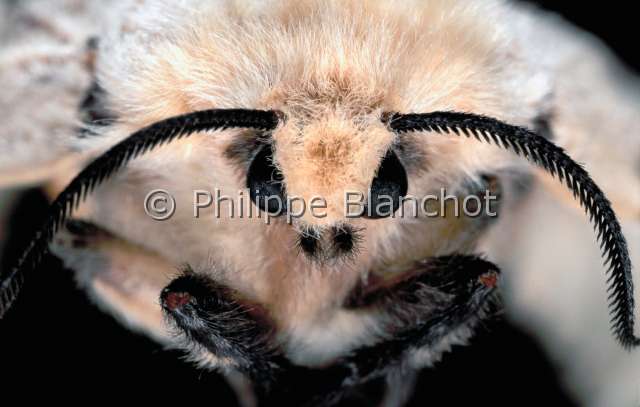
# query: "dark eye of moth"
{"type": "Point", "coordinates": [265, 183]}
{"type": "Point", "coordinates": [390, 184]}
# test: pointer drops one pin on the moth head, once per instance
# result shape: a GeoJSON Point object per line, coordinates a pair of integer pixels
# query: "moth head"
{"type": "Point", "coordinates": [310, 168]}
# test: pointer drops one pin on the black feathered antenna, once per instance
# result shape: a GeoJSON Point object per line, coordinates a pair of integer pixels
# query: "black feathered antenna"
{"type": "Point", "coordinates": [115, 158]}
{"type": "Point", "coordinates": [554, 160]}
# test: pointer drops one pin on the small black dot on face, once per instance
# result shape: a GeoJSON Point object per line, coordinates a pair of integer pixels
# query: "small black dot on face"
{"type": "Point", "coordinates": [346, 242]}
{"type": "Point", "coordinates": [343, 240]}
{"type": "Point", "coordinates": [309, 242]}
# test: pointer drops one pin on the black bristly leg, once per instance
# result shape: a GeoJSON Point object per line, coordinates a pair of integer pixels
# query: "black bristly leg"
{"type": "Point", "coordinates": [210, 316]}
{"type": "Point", "coordinates": [442, 296]}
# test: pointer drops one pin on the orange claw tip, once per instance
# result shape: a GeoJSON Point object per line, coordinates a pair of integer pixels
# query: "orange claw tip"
{"type": "Point", "coordinates": [489, 280]}
{"type": "Point", "coordinates": [174, 300]}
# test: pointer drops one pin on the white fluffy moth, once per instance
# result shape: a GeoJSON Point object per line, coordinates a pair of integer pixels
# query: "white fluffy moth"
{"type": "Point", "coordinates": [325, 105]}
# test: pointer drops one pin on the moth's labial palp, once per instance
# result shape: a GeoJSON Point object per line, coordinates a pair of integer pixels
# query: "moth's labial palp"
{"type": "Point", "coordinates": [343, 239]}
{"type": "Point", "coordinates": [335, 243]}
{"type": "Point", "coordinates": [310, 243]}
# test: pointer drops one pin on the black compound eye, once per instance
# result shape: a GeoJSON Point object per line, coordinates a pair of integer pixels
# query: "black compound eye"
{"type": "Point", "coordinates": [265, 183]}
{"type": "Point", "coordinates": [387, 188]}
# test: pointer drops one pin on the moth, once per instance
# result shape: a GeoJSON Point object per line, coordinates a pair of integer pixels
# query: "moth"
{"type": "Point", "coordinates": [309, 98]}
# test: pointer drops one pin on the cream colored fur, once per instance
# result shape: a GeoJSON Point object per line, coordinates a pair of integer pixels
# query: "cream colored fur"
{"type": "Point", "coordinates": [333, 67]}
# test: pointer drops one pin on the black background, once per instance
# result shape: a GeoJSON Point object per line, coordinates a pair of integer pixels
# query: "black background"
{"type": "Point", "coordinates": [56, 345]}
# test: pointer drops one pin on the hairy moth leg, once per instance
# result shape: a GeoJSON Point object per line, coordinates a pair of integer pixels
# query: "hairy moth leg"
{"type": "Point", "coordinates": [227, 333]}
{"type": "Point", "coordinates": [121, 277]}
{"type": "Point", "coordinates": [437, 306]}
